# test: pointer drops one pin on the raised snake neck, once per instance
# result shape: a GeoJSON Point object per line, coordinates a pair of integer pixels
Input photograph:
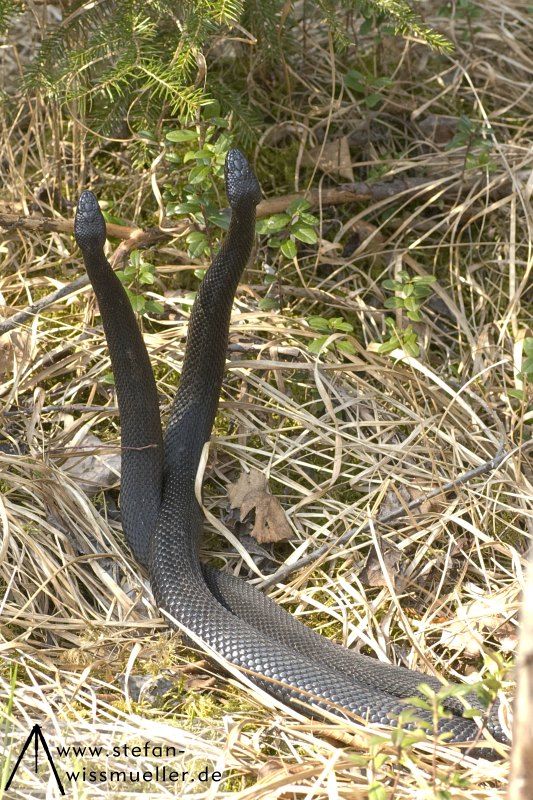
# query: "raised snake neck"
{"type": "Point", "coordinates": [163, 521]}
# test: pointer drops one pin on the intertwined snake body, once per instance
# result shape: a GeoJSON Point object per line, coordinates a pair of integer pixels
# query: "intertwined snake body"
{"type": "Point", "coordinates": [163, 521]}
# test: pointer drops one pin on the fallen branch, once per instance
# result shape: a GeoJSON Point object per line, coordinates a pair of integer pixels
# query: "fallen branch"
{"type": "Point", "coordinates": [134, 238]}
{"type": "Point", "coordinates": [335, 195]}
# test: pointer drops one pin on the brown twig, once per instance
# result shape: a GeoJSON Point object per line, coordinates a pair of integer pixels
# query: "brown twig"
{"type": "Point", "coordinates": [133, 238]}
{"type": "Point", "coordinates": [335, 195]}
{"type": "Point", "coordinates": [16, 222]}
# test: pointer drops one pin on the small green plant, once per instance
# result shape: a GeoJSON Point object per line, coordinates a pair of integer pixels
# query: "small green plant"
{"type": "Point", "coordinates": [406, 340]}
{"type": "Point", "coordinates": [296, 224]}
{"type": "Point", "coordinates": [410, 293]}
{"type": "Point", "coordinates": [139, 273]}
{"type": "Point", "coordinates": [472, 135]}
{"type": "Point", "coordinates": [326, 327]}
{"type": "Point", "coordinates": [382, 762]}
{"type": "Point", "coordinates": [292, 226]}
{"type": "Point", "coordinates": [204, 148]}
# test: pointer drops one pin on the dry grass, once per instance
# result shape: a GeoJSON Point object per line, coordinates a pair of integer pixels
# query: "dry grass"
{"type": "Point", "coordinates": [342, 438]}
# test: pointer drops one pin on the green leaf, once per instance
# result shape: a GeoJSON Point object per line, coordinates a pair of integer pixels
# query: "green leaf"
{"type": "Point", "coordinates": [406, 738]}
{"type": "Point", "coordinates": [393, 302]}
{"type": "Point", "coordinates": [197, 242]}
{"type": "Point", "coordinates": [147, 136]}
{"type": "Point", "coordinates": [317, 345]}
{"type": "Point", "coordinates": [388, 346]}
{"type": "Point", "coordinates": [415, 315]}
{"type": "Point", "coordinates": [199, 273]}
{"type": "Point", "coordinates": [528, 345]}
{"type": "Point", "coordinates": [154, 307]}
{"type": "Point", "coordinates": [373, 100]}
{"type": "Point", "coordinates": [380, 759]}
{"type": "Point", "coordinates": [112, 219]}
{"type": "Point", "coordinates": [411, 348]}
{"type": "Point", "coordinates": [394, 286]}
{"type": "Point", "coordinates": [411, 303]}
{"type": "Point", "coordinates": [527, 365]}
{"type": "Point", "coordinates": [268, 303]}
{"type": "Point", "coordinates": [419, 702]}
{"type": "Point", "coordinates": [288, 248]}
{"type": "Point", "coordinates": [205, 152]}
{"type": "Point", "coordinates": [199, 173]}
{"type": "Point", "coordinates": [182, 135]}
{"type": "Point", "coordinates": [297, 206]}
{"type": "Point", "coordinates": [138, 303]}
{"type": "Point", "coordinates": [274, 223]}
{"type": "Point", "coordinates": [318, 323]}
{"type": "Point", "coordinates": [339, 324]}
{"type": "Point", "coordinates": [147, 277]}
{"type": "Point", "coordinates": [345, 346]}
{"type": "Point", "coordinates": [383, 81]}
{"type": "Point", "coordinates": [471, 713]}
{"type": "Point", "coordinates": [217, 216]}
{"type": "Point", "coordinates": [420, 290]}
{"type": "Point", "coordinates": [304, 233]}
{"type": "Point", "coordinates": [309, 219]}
{"type": "Point", "coordinates": [355, 80]}
{"type": "Point", "coordinates": [377, 791]}
{"type": "Point", "coordinates": [190, 207]}
{"type": "Point", "coordinates": [109, 379]}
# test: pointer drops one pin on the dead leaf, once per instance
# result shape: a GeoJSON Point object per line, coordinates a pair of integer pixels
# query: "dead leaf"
{"type": "Point", "coordinates": [199, 682]}
{"type": "Point", "coordinates": [253, 481]}
{"type": "Point", "coordinates": [372, 572]}
{"type": "Point", "coordinates": [92, 467]}
{"type": "Point", "coordinates": [466, 633]}
{"type": "Point", "coordinates": [438, 128]}
{"type": "Point", "coordinates": [15, 350]}
{"type": "Point", "coordinates": [250, 492]}
{"type": "Point", "coordinates": [334, 158]}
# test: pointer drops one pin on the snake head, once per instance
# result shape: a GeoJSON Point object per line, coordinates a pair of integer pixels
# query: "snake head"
{"type": "Point", "coordinates": [241, 184]}
{"type": "Point", "coordinates": [89, 226]}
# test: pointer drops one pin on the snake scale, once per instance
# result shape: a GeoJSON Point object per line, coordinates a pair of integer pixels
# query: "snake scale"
{"type": "Point", "coordinates": [163, 522]}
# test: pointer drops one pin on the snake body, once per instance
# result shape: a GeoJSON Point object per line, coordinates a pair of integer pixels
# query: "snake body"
{"type": "Point", "coordinates": [163, 521]}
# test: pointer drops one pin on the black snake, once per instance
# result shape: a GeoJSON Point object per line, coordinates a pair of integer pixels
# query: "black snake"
{"type": "Point", "coordinates": [163, 521]}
